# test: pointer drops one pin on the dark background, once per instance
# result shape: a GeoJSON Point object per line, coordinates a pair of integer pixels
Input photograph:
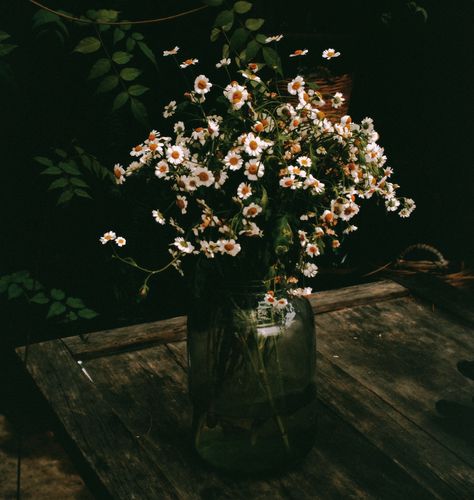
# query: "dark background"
{"type": "Point", "coordinates": [412, 77]}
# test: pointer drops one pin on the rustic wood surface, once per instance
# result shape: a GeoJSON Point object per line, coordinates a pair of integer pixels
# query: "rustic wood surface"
{"type": "Point", "coordinates": [384, 359]}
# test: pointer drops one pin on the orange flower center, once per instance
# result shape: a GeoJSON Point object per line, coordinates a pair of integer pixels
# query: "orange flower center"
{"type": "Point", "coordinates": [252, 211]}
{"type": "Point", "coordinates": [137, 148]}
{"type": "Point", "coordinates": [175, 155]}
{"type": "Point", "coordinates": [298, 52]}
{"type": "Point", "coordinates": [229, 247]}
{"type": "Point", "coordinates": [188, 61]}
{"type": "Point", "coordinates": [296, 85]}
{"type": "Point", "coordinates": [237, 96]}
{"type": "Point", "coordinates": [253, 145]}
{"type": "Point", "coordinates": [203, 176]}
{"type": "Point", "coordinates": [202, 84]}
{"type": "Point", "coordinates": [253, 169]}
{"type": "Point", "coordinates": [181, 203]}
{"type": "Point", "coordinates": [151, 137]}
{"type": "Point", "coordinates": [233, 160]}
{"type": "Point", "coordinates": [153, 146]}
{"type": "Point", "coordinates": [289, 182]}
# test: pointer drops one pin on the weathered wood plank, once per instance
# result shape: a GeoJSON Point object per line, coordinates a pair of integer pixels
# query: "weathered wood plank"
{"type": "Point", "coordinates": [138, 336]}
{"type": "Point", "coordinates": [409, 355]}
{"type": "Point", "coordinates": [130, 380]}
{"type": "Point", "coordinates": [435, 291]}
{"type": "Point", "coordinates": [108, 447]}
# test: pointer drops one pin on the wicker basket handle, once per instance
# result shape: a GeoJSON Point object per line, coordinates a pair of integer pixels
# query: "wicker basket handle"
{"type": "Point", "coordinates": [440, 262]}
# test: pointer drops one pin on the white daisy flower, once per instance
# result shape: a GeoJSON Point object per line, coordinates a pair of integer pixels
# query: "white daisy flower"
{"type": "Point", "coordinates": [254, 169]}
{"type": "Point", "coordinates": [289, 182]}
{"type": "Point", "coordinates": [350, 229]}
{"type": "Point", "coordinates": [175, 154]}
{"type": "Point", "coordinates": [251, 76]}
{"type": "Point", "coordinates": [181, 244]}
{"type": "Point", "coordinates": [251, 229]}
{"type": "Point", "coordinates": [302, 236]}
{"type": "Point", "coordinates": [273, 38]}
{"type": "Point", "coordinates": [281, 303]}
{"type": "Point", "coordinates": [270, 298]}
{"type": "Point", "coordinates": [171, 52]}
{"type": "Point", "coordinates": [169, 109]}
{"type": "Point", "coordinates": [213, 128]}
{"type": "Point", "coordinates": [223, 62]}
{"type": "Point", "coordinates": [233, 160]}
{"type": "Point", "coordinates": [236, 94]}
{"type": "Point", "coordinates": [392, 204]}
{"type": "Point", "coordinates": [162, 169]}
{"type": "Point", "coordinates": [299, 52]}
{"type": "Point", "coordinates": [121, 241]}
{"type": "Point", "coordinates": [159, 217]}
{"type": "Point", "coordinates": [229, 247]}
{"type": "Point", "coordinates": [330, 53]}
{"type": "Point", "coordinates": [179, 128]}
{"type": "Point", "coordinates": [321, 150]}
{"type": "Point", "coordinates": [203, 176]}
{"type": "Point", "coordinates": [253, 145]}
{"type": "Point", "coordinates": [220, 178]}
{"type": "Point", "coordinates": [253, 67]}
{"type": "Point", "coordinates": [328, 217]}
{"type": "Point", "coordinates": [349, 210]}
{"type": "Point", "coordinates": [119, 173]}
{"type": "Point", "coordinates": [296, 171]}
{"type": "Point", "coordinates": [252, 210]}
{"type": "Point", "coordinates": [188, 62]}
{"type": "Point", "coordinates": [367, 125]}
{"type": "Point", "coordinates": [296, 85]}
{"type": "Point", "coordinates": [202, 85]}
{"type": "Point", "coordinates": [299, 292]}
{"type": "Point", "coordinates": [199, 134]}
{"type": "Point", "coordinates": [108, 236]}
{"type": "Point", "coordinates": [312, 249]}
{"type": "Point", "coordinates": [138, 150]}
{"type": "Point", "coordinates": [310, 270]}
{"type": "Point", "coordinates": [244, 191]}
{"type": "Point", "coordinates": [304, 161]}
{"type": "Point", "coordinates": [337, 100]}
{"type": "Point", "coordinates": [182, 203]}
{"type": "Point", "coordinates": [313, 183]}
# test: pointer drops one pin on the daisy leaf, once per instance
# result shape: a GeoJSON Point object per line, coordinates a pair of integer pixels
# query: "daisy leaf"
{"type": "Point", "coordinates": [137, 90]}
{"type": "Point", "coordinates": [254, 24]}
{"type": "Point", "coordinates": [99, 68]}
{"type": "Point", "coordinates": [129, 74]}
{"type": "Point", "coordinates": [55, 309]}
{"type": "Point", "coordinates": [88, 45]}
{"type": "Point", "coordinates": [107, 84]}
{"type": "Point", "coordinates": [224, 18]}
{"type": "Point", "coordinates": [121, 57]}
{"type": "Point", "coordinates": [242, 7]}
{"type": "Point", "coordinates": [120, 100]}
{"type": "Point", "coordinates": [147, 52]}
{"type": "Point", "coordinates": [118, 35]}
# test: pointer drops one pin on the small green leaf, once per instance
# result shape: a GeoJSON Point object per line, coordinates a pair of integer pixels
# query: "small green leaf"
{"type": "Point", "coordinates": [224, 18]}
{"type": "Point", "coordinates": [254, 24]}
{"type": "Point", "coordinates": [55, 309]}
{"type": "Point", "coordinates": [51, 171]}
{"type": "Point", "coordinates": [242, 7]}
{"type": "Point", "coordinates": [4, 282]}
{"type": "Point", "coordinates": [130, 44]}
{"type": "Point", "coordinates": [121, 57]}
{"type": "Point", "coordinates": [57, 294]}
{"type": "Point", "coordinates": [107, 15]}
{"type": "Point", "coordinates": [74, 302]}
{"type": "Point", "coordinates": [238, 38]}
{"type": "Point", "coordinates": [107, 84]}
{"type": "Point", "coordinates": [120, 100]}
{"type": "Point", "coordinates": [215, 32]}
{"type": "Point", "coordinates": [139, 111]}
{"type": "Point", "coordinates": [225, 51]}
{"type": "Point", "coordinates": [87, 313]}
{"type": "Point", "coordinates": [69, 167]}
{"type": "Point", "coordinates": [6, 48]}
{"type": "Point", "coordinates": [43, 161]}
{"type": "Point", "coordinates": [118, 35]}
{"type": "Point", "coordinates": [75, 181]}
{"type": "Point", "coordinates": [65, 197]}
{"type": "Point", "coordinates": [147, 52]}
{"type": "Point", "coordinates": [40, 298]}
{"type": "Point", "coordinates": [261, 38]}
{"type": "Point", "coordinates": [14, 291]}
{"type": "Point", "coordinates": [4, 35]}
{"type": "Point", "coordinates": [137, 90]}
{"type": "Point", "coordinates": [137, 36]}
{"type": "Point", "coordinates": [88, 45]}
{"type": "Point", "coordinates": [129, 74]}
{"type": "Point", "coordinates": [20, 276]}
{"type": "Point", "coordinates": [252, 49]}
{"type": "Point", "coordinates": [100, 68]}
{"type": "Point", "coordinates": [82, 193]}
{"type": "Point", "coordinates": [61, 153]}
{"type": "Point", "coordinates": [58, 183]}
{"type": "Point", "coordinates": [272, 58]}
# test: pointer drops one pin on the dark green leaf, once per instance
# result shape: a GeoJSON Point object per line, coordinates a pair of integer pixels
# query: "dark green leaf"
{"type": "Point", "coordinates": [65, 197]}
{"type": "Point", "coordinates": [130, 44]}
{"type": "Point", "coordinates": [118, 35]}
{"type": "Point", "coordinates": [74, 302]}
{"type": "Point", "coordinates": [107, 15]}
{"type": "Point", "coordinates": [137, 36]}
{"type": "Point", "coordinates": [57, 294]}
{"type": "Point", "coordinates": [51, 171]}
{"type": "Point", "coordinates": [272, 58]}
{"type": "Point", "coordinates": [20, 276]}
{"type": "Point", "coordinates": [44, 17]}
{"type": "Point", "coordinates": [147, 52]}
{"type": "Point", "coordinates": [225, 51]}
{"type": "Point", "coordinates": [6, 48]}
{"type": "Point", "coordinates": [82, 193]}
{"type": "Point", "coordinates": [61, 153]}
{"type": "Point", "coordinates": [261, 38]}
{"type": "Point", "coordinates": [120, 100]}
{"type": "Point", "coordinates": [254, 24]}
{"type": "Point", "coordinates": [242, 7]}
{"type": "Point", "coordinates": [238, 38]}
{"type": "Point", "coordinates": [100, 68]}
{"type": "Point", "coordinates": [121, 57]}
{"type": "Point", "coordinates": [104, 27]}
{"type": "Point", "coordinates": [14, 291]}
{"type": "Point", "coordinates": [87, 313]}
{"type": "Point", "coordinates": [40, 298]}
{"type": "Point", "coordinates": [88, 45]}
{"type": "Point", "coordinates": [137, 90]}
{"type": "Point", "coordinates": [58, 183]}
{"type": "Point", "coordinates": [69, 167]}
{"type": "Point", "coordinates": [4, 282]}
{"type": "Point", "coordinates": [252, 49]}
{"type": "Point", "coordinates": [107, 84]}
{"type": "Point", "coordinates": [139, 111]}
{"type": "Point", "coordinates": [215, 32]}
{"type": "Point", "coordinates": [75, 181]}
{"type": "Point", "coordinates": [129, 74]}
{"type": "Point", "coordinates": [3, 36]}
{"type": "Point", "coordinates": [71, 316]}
{"type": "Point", "coordinates": [43, 161]}
{"type": "Point", "coordinates": [224, 18]}
{"type": "Point", "coordinates": [55, 309]}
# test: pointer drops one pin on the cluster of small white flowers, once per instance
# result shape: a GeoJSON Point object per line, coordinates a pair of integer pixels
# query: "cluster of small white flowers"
{"type": "Point", "coordinates": [229, 177]}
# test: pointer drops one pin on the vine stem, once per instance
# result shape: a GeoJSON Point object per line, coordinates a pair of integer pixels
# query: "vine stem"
{"type": "Point", "coordinates": [116, 23]}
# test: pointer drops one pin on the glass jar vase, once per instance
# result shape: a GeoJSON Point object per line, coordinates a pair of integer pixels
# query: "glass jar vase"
{"type": "Point", "coordinates": [251, 357]}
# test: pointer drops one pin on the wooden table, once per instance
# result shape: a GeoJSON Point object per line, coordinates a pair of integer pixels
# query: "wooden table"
{"type": "Point", "coordinates": [385, 356]}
